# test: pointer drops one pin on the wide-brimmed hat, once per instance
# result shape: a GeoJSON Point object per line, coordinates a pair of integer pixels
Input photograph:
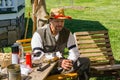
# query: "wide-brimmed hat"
{"type": "Point", "coordinates": [57, 13]}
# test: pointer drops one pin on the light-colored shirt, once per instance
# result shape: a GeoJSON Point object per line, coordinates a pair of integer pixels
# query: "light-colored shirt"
{"type": "Point", "coordinates": [73, 52]}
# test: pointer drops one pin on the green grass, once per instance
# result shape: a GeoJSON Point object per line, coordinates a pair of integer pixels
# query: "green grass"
{"type": "Point", "coordinates": [91, 15]}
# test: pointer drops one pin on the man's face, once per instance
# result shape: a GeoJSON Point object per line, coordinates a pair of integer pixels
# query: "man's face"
{"type": "Point", "coordinates": [57, 24]}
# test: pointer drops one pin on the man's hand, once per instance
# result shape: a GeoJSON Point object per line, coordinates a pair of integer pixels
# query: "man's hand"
{"type": "Point", "coordinates": [66, 64]}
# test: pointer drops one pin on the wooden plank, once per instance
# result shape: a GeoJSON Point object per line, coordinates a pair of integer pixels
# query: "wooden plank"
{"type": "Point", "coordinates": [27, 49]}
{"type": "Point", "coordinates": [106, 67]}
{"type": "Point", "coordinates": [62, 76]}
{"type": "Point", "coordinates": [91, 37]}
{"type": "Point", "coordinates": [92, 41]}
{"type": "Point", "coordinates": [41, 75]}
{"type": "Point", "coordinates": [84, 46]}
{"type": "Point", "coordinates": [94, 50]}
{"type": "Point", "coordinates": [24, 40]}
{"type": "Point", "coordinates": [90, 32]}
{"type": "Point", "coordinates": [95, 54]}
{"type": "Point", "coordinates": [103, 58]}
{"type": "Point", "coordinates": [99, 63]}
{"type": "Point", "coordinates": [38, 75]}
{"type": "Point", "coordinates": [26, 44]}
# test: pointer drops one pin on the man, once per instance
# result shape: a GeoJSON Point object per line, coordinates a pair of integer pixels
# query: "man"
{"type": "Point", "coordinates": [54, 37]}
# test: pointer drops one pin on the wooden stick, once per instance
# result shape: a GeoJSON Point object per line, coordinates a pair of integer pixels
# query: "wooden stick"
{"type": "Point", "coordinates": [34, 17]}
{"type": "Point", "coordinates": [26, 29]}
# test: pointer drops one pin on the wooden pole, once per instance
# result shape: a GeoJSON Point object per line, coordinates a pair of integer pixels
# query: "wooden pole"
{"type": "Point", "coordinates": [27, 24]}
{"type": "Point", "coordinates": [34, 17]}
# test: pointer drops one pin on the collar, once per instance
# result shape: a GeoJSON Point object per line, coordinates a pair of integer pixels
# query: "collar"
{"type": "Point", "coordinates": [49, 31]}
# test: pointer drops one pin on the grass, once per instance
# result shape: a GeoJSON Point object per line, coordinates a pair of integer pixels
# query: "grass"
{"type": "Point", "coordinates": [89, 15]}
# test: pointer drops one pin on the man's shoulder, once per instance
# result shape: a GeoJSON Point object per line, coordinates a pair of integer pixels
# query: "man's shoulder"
{"type": "Point", "coordinates": [41, 30]}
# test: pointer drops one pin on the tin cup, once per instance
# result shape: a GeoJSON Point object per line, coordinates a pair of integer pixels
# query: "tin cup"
{"type": "Point", "coordinates": [14, 72]}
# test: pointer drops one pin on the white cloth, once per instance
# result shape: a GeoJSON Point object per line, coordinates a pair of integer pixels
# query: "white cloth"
{"type": "Point", "coordinates": [73, 53]}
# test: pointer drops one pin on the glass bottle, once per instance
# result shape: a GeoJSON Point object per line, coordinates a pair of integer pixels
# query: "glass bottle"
{"type": "Point", "coordinates": [15, 53]}
{"type": "Point", "coordinates": [21, 53]}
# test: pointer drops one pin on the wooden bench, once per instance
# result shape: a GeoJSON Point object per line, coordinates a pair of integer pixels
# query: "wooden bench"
{"type": "Point", "coordinates": [96, 46]}
{"type": "Point", "coordinates": [26, 44]}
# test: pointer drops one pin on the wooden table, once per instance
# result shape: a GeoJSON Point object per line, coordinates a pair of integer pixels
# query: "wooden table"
{"type": "Point", "coordinates": [39, 75]}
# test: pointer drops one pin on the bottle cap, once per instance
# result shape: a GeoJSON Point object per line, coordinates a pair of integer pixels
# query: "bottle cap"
{"type": "Point", "coordinates": [27, 53]}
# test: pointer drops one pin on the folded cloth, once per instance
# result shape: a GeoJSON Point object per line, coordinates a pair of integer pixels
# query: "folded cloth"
{"type": "Point", "coordinates": [25, 69]}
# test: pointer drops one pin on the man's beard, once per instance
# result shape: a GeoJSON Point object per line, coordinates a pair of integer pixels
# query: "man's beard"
{"type": "Point", "coordinates": [58, 28]}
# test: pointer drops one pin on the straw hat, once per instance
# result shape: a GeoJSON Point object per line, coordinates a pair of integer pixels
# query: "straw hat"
{"type": "Point", "coordinates": [57, 13]}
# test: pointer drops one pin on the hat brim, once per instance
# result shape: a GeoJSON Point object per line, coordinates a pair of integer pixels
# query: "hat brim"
{"type": "Point", "coordinates": [58, 17]}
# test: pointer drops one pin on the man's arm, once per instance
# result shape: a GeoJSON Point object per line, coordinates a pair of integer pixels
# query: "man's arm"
{"type": "Point", "coordinates": [36, 44]}
{"type": "Point", "coordinates": [73, 50]}
{"type": "Point", "coordinates": [72, 56]}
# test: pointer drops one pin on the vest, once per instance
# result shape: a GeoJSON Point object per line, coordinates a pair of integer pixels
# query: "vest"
{"type": "Point", "coordinates": [49, 42]}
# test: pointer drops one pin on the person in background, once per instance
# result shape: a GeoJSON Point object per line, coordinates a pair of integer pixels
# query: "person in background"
{"type": "Point", "coordinates": [54, 37]}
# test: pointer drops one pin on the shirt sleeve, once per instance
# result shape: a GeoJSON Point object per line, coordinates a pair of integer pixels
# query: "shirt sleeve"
{"type": "Point", "coordinates": [36, 43]}
{"type": "Point", "coordinates": [73, 50]}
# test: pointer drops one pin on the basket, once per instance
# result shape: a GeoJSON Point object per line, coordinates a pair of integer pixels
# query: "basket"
{"type": "Point", "coordinates": [5, 59]}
